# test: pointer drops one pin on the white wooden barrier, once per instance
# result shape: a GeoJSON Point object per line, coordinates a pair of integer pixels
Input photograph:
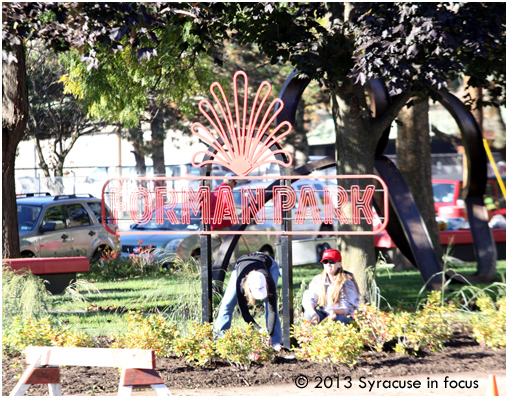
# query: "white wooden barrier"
{"type": "Point", "coordinates": [138, 368]}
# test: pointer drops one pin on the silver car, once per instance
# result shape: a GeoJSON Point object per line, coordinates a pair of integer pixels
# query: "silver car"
{"type": "Point", "coordinates": [308, 224]}
{"type": "Point", "coordinates": [163, 247]}
{"type": "Point", "coordinates": [63, 226]}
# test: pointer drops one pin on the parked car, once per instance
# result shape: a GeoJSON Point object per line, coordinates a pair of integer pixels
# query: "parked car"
{"type": "Point", "coordinates": [308, 225]}
{"type": "Point", "coordinates": [162, 248]}
{"type": "Point", "coordinates": [450, 209]}
{"type": "Point", "coordinates": [62, 226]}
{"type": "Point", "coordinates": [448, 198]}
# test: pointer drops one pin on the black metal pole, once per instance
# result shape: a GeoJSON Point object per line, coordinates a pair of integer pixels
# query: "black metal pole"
{"type": "Point", "coordinates": [287, 278]}
{"type": "Point", "coordinates": [206, 268]}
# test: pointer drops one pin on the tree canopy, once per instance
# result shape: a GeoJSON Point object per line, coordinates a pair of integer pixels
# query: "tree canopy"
{"type": "Point", "coordinates": [415, 48]}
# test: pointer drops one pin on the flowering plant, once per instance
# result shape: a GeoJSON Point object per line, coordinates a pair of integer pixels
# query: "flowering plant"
{"type": "Point", "coordinates": [490, 327]}
{"type": "Point", "coordinates": [242, 345]}
{"type": "Point", "coordinates": [197, 345]}
{"type": "Point", "coordinates": [154, 332]}
{"type": "Point", "coordinates": [329, 341]}
{"type": "Point", "coordinates": [376, 326]}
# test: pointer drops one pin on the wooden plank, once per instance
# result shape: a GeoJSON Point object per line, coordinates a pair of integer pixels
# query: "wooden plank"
{"type": "Point", "coordinates": [83, 356]}
{"type": "Point", "coordinates": [161, 390]}
{"type": "Point", "coordinates": [44, 376]}
{"type": "Point", "coordinates": [65, 265]}
{"type": "Point", "coordinates": [140, 377]}
{"type": "Point", "coordinates": [36, 265]}
{"type": "Point", "coordinates": [42, 266]}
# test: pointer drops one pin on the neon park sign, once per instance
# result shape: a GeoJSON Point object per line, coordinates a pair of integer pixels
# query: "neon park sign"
{"type": "Point", "coordinates": [150, 201]}
{"type": "Point", "coordinates": [243, 138]}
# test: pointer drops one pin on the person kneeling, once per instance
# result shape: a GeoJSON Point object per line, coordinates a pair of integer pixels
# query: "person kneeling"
{"type": "Point", "coordinates": [333, 294]}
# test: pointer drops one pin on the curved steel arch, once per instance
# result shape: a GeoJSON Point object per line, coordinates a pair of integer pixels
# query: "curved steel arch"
{"type": "Point", "coordinates": [404, 228]}
{"type": "Point", "coordinates": [475, 180]}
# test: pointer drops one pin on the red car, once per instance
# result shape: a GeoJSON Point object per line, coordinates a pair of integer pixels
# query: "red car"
{"type": "Point", "coordinates": [448, 203]}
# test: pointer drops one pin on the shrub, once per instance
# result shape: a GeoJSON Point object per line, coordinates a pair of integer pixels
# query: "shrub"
{"type": "Point", "coordinates": [376, 326]}
{"type": "Point", "coordinates": [29, 331]}
{"type": "Point", "coordinates": [24, 294]}
{"type": "Point", "coordinates": [242, 345]}
{"type": "Point", "coordinates": [328, 341]}
{"type": "Point", "coordinates": [490, 327]}
{"type": "Point", "coordinates": [430, 326]}
{"type": "Point", "coordinates": [197, 344]}
{"type": "Point", "coordinates": [154, 332]}
{"type": "Point", "coordinates": [434, 322]}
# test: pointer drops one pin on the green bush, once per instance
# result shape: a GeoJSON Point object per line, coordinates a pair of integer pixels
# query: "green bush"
{"type": "Point", "coordinates": [154, 332]}
{"type": "Point", "coordinates": [29, 331]}
{"type": "Point", "coordinates": [23, 294]}
{"type": "Point", "coordinates": [376, 326]}
{"type": "Point", "coordinates": [489, 328]}
{"type": "Point", "coordinates": [429, 326]}
{"type": "Point", "coordinates": [197, 344]}
{"type": "Point", "coordinates": [242, 345]}
{"type": "Point", "coordinates": [329, 341]}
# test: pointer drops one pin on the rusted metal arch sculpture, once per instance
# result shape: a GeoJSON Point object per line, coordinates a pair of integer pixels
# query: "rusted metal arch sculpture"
{"type": "Point", "coordinates": [405, 226]}
{"type": "Point", "coordinates": [475, 178]}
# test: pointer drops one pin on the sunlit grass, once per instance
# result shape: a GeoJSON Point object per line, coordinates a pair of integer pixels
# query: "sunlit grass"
{"type": "Point", "coordinates": [101, 307]}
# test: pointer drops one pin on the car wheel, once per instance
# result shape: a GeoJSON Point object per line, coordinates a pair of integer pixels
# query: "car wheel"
{"type": "Point", "coordinates": [27, 254]}
{"type": "Point", "coordinates": [196, 255]}
{"type": "Point", "coordinates": [97, 255]}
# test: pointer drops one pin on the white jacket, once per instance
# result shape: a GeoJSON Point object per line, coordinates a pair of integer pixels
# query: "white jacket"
{"type": "Point", "coordinates": [349, 296]}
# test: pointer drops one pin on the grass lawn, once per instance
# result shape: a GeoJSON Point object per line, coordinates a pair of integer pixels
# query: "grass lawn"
{"type": "Point", "coordinates": [98, 308]}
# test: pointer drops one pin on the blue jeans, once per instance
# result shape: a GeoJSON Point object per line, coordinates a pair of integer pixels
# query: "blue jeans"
{"type": "Point", "coordinates": [229, 302]}
{"type": "Point", "coordinates": [322, 315]}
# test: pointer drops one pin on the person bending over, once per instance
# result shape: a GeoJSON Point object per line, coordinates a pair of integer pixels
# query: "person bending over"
{"type": "Point", "coordinates": [254, 278]}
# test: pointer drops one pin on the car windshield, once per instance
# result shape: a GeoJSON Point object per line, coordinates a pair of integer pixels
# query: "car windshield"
{"type": "Point", "coordinates": [443, 192]}
{"type": "Point", "coordinates": [168, 226]}
{"type": "Point", "coordinates": [27, 216]}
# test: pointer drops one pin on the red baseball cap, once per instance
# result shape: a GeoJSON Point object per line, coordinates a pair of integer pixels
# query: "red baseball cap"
{"type": "Point", "coordinates": [332, 255]}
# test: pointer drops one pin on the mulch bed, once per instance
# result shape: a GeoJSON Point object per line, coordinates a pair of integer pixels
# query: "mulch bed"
{"type": "Point", "coordinates": [462, 354]}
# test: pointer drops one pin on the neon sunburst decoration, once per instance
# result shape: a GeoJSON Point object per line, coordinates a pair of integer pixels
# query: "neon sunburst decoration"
{"type": "Point", "coordinates": [241, 147]}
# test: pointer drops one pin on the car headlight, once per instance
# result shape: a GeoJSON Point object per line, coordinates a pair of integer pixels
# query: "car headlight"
{"type": "Point", "coordinates": [172, 245]}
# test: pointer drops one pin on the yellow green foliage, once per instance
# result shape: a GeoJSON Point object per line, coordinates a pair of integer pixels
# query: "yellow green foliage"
{"type": "Point", "coordinates": [242, 345]}
{"type": "Point", "coordinates": [329, 341]}
{"type": "Point", "coordinates": [154, 332]}
{"type": "Point", "coordinates": [489, 328]}
{"type": "Point", "coordinates": [24, 332]}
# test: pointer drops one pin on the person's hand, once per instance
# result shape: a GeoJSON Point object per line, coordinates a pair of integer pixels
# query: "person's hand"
{"type": "Point", "coordinates": [332, 316]}
{"type": "Point", "coordinates": [314, 318]}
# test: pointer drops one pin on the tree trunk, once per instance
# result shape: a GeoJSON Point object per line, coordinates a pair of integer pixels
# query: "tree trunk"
{"type": "Point", "coordinates": [415, 165]}
{"type": "Point", "coordinates": [355, 147]}
{"type": "Point", "coordinates": [136, 138]}
{"type": "Point", "coordinates": [476, 95]}
{"type": "Point", "coordinates": [355, 151]}
{"type": "Point", "coordinates": [499, 143]}
{"type": "Point", "coordinates": [158, 136]}
{"type": "Point", "coordinates": [14, 119]}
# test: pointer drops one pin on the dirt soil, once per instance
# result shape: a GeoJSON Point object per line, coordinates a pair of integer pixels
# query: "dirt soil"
{"type": "Point", "coordinates": [462, 354]}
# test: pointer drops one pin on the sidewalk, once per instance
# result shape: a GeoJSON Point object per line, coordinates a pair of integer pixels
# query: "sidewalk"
{"type": "Point", "coordinates": [454, 384]}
